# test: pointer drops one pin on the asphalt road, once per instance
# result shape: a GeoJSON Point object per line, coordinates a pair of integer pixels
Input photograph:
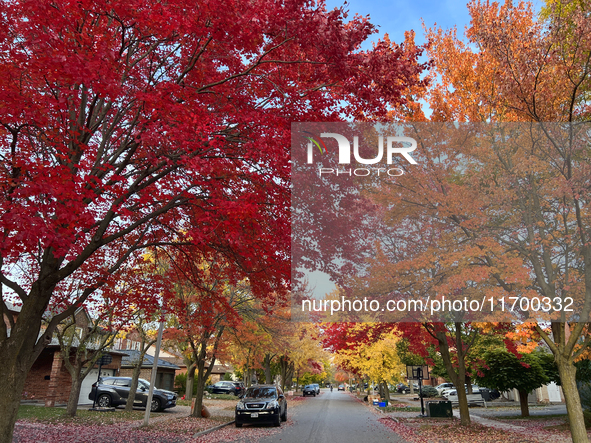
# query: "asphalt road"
{"type": "Point", "coordinates": [333, 417]}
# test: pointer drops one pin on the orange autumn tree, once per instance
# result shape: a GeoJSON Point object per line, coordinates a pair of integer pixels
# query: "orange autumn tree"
{"type": "Point", "coordinates": [515, 66]}
{"type": "Point", "coordinates": [424, 252]}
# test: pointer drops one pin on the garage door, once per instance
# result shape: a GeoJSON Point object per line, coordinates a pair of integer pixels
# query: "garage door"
{"type": "Point", "coordinates": [87, 384]}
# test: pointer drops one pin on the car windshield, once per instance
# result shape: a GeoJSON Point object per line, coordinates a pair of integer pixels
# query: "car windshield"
{"type": "Point", "coordinates": [260, 392]}
{"type": "Point", "coordinates": [143, 383]}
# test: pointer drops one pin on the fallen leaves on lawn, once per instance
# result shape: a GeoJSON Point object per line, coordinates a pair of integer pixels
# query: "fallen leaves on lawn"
{"type": "Point", "coordinates": [178, 430]}
{"type": "Point", "coordinates": [122, 433]}
{"type": "Point", "coordinates": [454, 433]}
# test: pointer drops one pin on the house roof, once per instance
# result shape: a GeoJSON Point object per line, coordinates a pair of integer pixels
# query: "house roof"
{"type": "Point", "coordinates": [220, 369]}
{"type": "Point", "coordinates": [175, 361]}
{"type": "Point", "coordinates": [133, 356]}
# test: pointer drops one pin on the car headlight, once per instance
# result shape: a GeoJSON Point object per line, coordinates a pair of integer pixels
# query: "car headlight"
{"type": "Point", "coordinates": [272, 405]}
{"type": "Point", "coordinates": [240, 406]}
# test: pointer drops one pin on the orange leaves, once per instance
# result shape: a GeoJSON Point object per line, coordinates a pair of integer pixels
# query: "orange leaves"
{"type": "Point", "coordinates": [524, 337]}
{"type": "Point", "coordinates": [514, 65]}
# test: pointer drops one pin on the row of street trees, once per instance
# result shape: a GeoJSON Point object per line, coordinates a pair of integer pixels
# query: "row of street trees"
{"type": "Point", "coordinates": [495, 209]}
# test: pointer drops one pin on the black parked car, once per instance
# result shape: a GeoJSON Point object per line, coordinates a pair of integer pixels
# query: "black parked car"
{"type": "Point", "coordinates": [404, 389]}
{"type": "Point", "coordinates": [309, 390]}
{"type": "Point", "coordinates": [114, 391]}
{"type": "Point", "coordinates": [227, 387]}
{"type": "Point", "coordinates": [261, 404]}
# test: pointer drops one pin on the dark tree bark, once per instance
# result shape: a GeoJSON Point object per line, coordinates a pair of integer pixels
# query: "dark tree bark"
{"type": "Point", "coordinates": [267, 368]}
{"type": "Point", "coordinates": [144, 346]}
{"type": "Point", "coordinates": [190, 381]}
{"type": "Point", "coordinates": [523, 404]}
{"type": "Point", "coordinates": [202, 373]}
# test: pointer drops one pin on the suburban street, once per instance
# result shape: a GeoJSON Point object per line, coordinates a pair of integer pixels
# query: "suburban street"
{"type": "Point", "coordinates": [333, 417]}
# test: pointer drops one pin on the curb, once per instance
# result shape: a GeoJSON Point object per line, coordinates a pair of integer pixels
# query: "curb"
{"type": "Point", "coordinates": [207, 431]}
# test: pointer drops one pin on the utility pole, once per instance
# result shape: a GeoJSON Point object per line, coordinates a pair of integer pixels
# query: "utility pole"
{"type": "Point", "coordinates": [154, 371]}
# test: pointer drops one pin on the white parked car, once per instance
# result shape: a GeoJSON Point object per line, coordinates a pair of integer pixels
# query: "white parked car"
{"type": "Point", "coordinates": [445, 392]}
{"type": "Point", "coordinates": [453, 392]}
{"type": "Point", "coordinates": [440, 388]}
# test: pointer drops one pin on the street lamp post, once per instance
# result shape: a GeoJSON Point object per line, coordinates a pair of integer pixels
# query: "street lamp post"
{"type": "Point", "coordinates": [417, 373]}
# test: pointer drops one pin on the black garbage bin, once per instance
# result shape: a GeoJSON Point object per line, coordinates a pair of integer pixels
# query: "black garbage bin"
{"type": "Point", "coordinates": [485, 394]}
{"type": "Point", "coordinates": [439, 409]}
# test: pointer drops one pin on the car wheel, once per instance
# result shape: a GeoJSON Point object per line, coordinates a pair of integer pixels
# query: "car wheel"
{"type": "Point", "coordinates": [238, 425]}
{"type": "Point", "coordinates": [284, 416]}
{"type": "Point", "coordinates": [277, 421]}
{"type": "Point", "coordinates": [314, 394]}
{"type": "Point", "coordinates": [155, 407]}
{"type": "Point", "coordinates": [104, 400]}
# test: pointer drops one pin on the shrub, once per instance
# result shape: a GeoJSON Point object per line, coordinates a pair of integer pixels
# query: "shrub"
{"type": "Point", "coordinates": [429, 391]}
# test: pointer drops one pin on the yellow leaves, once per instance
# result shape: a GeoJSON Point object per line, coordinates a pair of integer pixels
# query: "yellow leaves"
{"type": "Point", "coordinates": [148, 256]}
{"type": "Point", "coordinates": [378, 360]}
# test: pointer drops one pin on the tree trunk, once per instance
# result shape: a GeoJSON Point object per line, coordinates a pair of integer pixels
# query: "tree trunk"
{"type": "Point", "coordinates": [386, 392]}
{"type": "Point", "coordinates": [202, 376]}
{"type": "Point", "coordinates": [72, 406]}
{"type": "Point", "coordinates": [199, 354]}
{"type": "Point", "coordinates": [13, 381]}
{"type": "Point", "coordinates": [523, 404]}
{"type": "Point", "coordinates": [77, 375]}
{"type": "Point", "coordinates": [284, 371]}
{"type": "Point", "coordinates": [463, 406]}
{"type": "Point", "coordinates": [134, 382]}
{"type": "Point", "coordinates": [190, 382]}
{"type": "Point", "coordinates": [469, 384]}
{"type": "Point", "coordinates": [574, 409]}
{"type": "Point", "coordinates": [290, 372]}
{"type": "Point", "coordinates": [457, 378]}
{"type": "Point", "coordinates": [267, 366]}
{"type": "Point", "coordinates": [17, 354]}
{"type": "Point", "coordinates": [200, 388]}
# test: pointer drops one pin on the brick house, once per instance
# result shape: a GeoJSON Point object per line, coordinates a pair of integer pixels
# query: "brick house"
{"type": "Point", "coordinates": [49, 381]}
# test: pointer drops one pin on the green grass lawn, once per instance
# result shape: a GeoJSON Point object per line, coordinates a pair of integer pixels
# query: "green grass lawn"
{"type": "Point", "coordinates": [83, 416]}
